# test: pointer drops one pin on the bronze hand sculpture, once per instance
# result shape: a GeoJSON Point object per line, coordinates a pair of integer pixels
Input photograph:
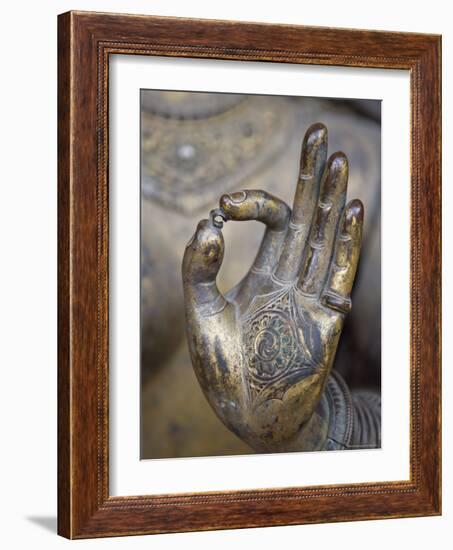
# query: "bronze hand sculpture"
{"type": "Point", "coordinates": [263, 354]}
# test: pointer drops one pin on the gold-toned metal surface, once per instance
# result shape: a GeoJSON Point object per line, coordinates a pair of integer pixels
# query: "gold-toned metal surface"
{"type": "Point", "coordinates": [263, 353]}
{"type": "Point", "coordinates": [185, 425]}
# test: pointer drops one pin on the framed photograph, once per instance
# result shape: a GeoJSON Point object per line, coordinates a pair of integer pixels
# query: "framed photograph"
{"type": "Point", "coordinates": [249, 275]}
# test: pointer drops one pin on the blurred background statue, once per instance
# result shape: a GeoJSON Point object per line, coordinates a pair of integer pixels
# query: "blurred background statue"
{"type": "Point", "coordinates": [195, 147]}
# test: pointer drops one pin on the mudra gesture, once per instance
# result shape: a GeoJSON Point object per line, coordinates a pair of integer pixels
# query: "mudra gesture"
{"type": "Point", "coordinates": [263, 353]}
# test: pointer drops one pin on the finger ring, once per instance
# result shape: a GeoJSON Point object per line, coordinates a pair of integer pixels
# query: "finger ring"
{"type": "Point", "coordinates": [218, 217]}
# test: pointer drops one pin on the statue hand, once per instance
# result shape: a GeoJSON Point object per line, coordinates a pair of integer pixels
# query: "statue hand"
{"type": "Point", "coordinates": [263, 353]}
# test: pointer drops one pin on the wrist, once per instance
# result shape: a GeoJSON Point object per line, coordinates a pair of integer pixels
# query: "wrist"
{"type": "Point", "coordinates": [341, 414]}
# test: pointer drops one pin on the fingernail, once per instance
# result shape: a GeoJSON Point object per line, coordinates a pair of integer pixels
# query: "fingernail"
{"type": "Point", "coordinates": [355, 210]}
{"type": "Point", "coordinates": [338, 161]}
{"type": "Point", "coordinates": [237, 197]}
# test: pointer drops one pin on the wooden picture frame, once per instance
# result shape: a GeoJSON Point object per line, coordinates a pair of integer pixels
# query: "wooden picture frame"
{"type": "Point", "coordinates": [85, 42]}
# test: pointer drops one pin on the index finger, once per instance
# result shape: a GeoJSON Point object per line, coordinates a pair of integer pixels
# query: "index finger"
{"type": "Point", "coordinates": [264, 207]}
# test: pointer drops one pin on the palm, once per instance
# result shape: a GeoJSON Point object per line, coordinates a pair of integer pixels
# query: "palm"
{"type": "Point", "coordinates": [263, 353]}
{"type": "Point", "coordinates": [285, 338]}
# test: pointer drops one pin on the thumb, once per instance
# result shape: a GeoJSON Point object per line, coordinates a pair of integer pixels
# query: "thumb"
{"type": "Point", "coordinates": [202, 260]}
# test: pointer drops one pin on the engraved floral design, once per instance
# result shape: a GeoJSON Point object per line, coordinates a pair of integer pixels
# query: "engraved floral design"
{"type": "Point", "coordinates": [272, 343]}
{"type": "Point", "coordinates": [276, 351]}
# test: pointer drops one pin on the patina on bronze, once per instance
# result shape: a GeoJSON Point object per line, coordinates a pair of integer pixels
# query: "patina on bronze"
{"type": "Point", "coordinates": [263, 353]}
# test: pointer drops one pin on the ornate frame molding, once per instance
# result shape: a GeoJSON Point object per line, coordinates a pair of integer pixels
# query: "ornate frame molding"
{"type": "Point", "coordinates": [85, 42]}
